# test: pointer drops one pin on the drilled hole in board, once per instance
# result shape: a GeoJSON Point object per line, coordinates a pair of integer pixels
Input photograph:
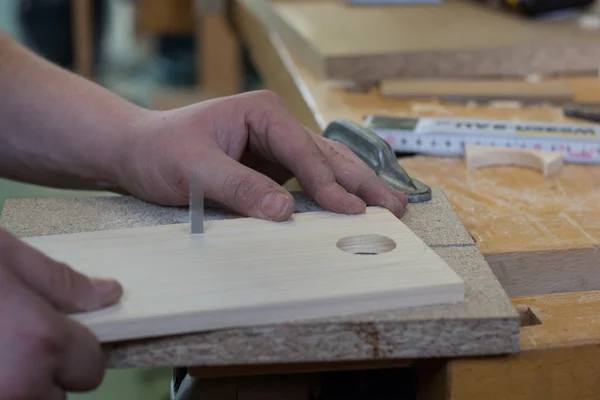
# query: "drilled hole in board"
{"type": "Point", "coordinates": [366, 244]}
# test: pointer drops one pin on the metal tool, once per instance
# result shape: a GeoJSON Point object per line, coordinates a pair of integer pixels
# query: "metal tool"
{"type": "Point", "coordinates": [579, 143]}
{"type": "Point", "coordinates": [196, 207]}
{"type": "Point", "coordinates": [378, 155]}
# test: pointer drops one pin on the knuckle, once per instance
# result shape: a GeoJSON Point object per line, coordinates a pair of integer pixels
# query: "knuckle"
{"type": "Point", "coordinates": [269, 96]}
{"type": "Point", "coordinates": [41, 340]}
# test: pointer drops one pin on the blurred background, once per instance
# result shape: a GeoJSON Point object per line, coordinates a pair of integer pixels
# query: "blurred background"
{"type": "Point", "coordinates": [143, 50]}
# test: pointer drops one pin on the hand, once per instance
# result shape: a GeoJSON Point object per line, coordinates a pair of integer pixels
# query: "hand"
{"type": "Point", "coordinates": [44, 353]}
{"type": "Point", "coordinates": [242, 148]}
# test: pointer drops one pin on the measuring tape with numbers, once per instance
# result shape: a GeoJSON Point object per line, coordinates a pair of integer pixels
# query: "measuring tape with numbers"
{"type": "Point", "coordinates": [579, 143]}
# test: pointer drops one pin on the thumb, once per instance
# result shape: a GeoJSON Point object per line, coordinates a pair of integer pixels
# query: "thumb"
{"type": "Point", "coordinates": [244, 190]}
{"type": "Point", "coordinates": [68, 290]}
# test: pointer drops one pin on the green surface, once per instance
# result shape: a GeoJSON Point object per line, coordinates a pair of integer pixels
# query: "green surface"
{"type": "Point", "coordinates": [118, 384]}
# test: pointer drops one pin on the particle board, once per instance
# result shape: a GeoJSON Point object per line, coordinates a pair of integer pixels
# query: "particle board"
{"type": "Point", "coordinates": [452, 39]}
{"type": "Point", "coordinates": [485, 323]}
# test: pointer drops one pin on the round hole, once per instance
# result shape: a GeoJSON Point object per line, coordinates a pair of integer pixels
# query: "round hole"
{"type": "Point", "coordinates": [366, 244]}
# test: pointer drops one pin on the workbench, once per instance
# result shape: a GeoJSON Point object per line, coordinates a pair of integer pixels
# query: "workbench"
{"type": "Point", "coordinates": [539, 236]}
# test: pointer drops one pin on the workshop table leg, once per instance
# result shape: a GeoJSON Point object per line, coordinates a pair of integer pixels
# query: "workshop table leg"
{"type": "Point", "coordinates": [220, 53]}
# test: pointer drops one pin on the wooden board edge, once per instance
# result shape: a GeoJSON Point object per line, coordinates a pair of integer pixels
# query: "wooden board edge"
{"type": "Point", "coordinates": [527, 273]}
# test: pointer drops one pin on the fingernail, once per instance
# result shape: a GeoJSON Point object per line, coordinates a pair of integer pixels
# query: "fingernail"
{"type": "Point", "coordinates": [275, 205]}
{"type": "Point", "coordinates": [108, 290]}
{"type": "Point", "coordinates": [402, 197]}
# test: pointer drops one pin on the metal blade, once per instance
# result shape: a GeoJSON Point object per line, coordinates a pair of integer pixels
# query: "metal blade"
{"type": "Point", "coordinates": [196, 207]}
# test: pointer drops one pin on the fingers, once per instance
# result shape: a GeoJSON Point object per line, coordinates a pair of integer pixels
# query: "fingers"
{"type": "Point", "coordinates": [244, 190]}
{"type": "Point", "coordinates": [81, 365]}
{"type": "Point", "coordinates": [341, 148]}
{"type": "Point", "coordinates": [67, 356]}
{"type": "Point", "coordinates": [280, 138]}
{"type": "Point", "coordinates": [67, 289]}
{"type": "Point", "coordinates": [359, 179]}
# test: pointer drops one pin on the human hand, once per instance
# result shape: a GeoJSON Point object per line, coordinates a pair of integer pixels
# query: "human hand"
{"type": "Point", "coordinates": [44, 353]}
{"type": "Point", "coordinates": [242, 148]}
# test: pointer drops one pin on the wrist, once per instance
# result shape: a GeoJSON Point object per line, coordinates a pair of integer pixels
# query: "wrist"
{"type": "Point", "coordinates": [117, 165]}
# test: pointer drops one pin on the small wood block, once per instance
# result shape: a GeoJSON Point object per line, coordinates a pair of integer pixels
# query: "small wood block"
{"type": "Point", "coordinates": [247, 272]}
{"type": "Point", "coordinates": [547, 162]}
{"type": "Point", "coordinates": [477, 90]}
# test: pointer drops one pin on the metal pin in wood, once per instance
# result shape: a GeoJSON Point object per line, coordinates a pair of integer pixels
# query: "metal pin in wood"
{"type": "Point", "coordinates": [196, 207]}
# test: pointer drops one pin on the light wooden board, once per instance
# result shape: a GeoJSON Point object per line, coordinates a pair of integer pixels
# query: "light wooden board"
{"type": "Point", "coordinates": [248, 272]}
{"type": "Point", "coordinates": [485, 323]}
{"type": "Point", "coordinates": [453, 39]}
{"type": "Point", "coordinates": [527, 227]}
{"type": "Point", "coordinates": [477, 90]}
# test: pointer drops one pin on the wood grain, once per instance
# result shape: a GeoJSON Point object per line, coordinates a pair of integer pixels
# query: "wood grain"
{"type": "Point", "coordinates": [452, 39]}
{"type": "Point", "coordinates": [527, 227]}
{"type": "Point", "coordinates": [548, 163]}
{"type": "Point", "coordinates": [246, 272]}
{"type": "Point", "coordinates": [558, 358]}
{"type": "Point", "coordinates": [485, 323]}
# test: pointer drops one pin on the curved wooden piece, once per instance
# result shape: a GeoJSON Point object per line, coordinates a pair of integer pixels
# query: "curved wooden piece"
{"type": "Point", "coordinates": [547, 162]}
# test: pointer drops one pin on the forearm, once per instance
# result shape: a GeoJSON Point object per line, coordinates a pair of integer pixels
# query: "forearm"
{"type": "Point", "coordinates": [56, 128]}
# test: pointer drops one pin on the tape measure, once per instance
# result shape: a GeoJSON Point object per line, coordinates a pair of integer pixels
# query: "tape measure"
{"type": "Point", "coordinates": [579, 143]}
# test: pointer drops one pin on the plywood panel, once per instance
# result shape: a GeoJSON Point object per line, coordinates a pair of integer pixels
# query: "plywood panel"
{"type": "Point", "coordinates": [247, 272]}
{"type": "Point", "coordinates": [452, 39]}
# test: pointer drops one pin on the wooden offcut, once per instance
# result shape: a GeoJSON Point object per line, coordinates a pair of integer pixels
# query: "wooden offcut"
{"type": "Point", "coordinates": [246, 272]}
{"type": "Point", "coordinates": [452, 39]}
{"type": "Point", "coordinates": [480, 90]}
{"type": "Point", "coordinates": [549, 163]}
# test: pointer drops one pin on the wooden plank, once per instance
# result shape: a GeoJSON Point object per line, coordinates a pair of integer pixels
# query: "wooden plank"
{"type": "Point", "coordinates": [452, 39]}
{"type": "Point", "coordinates": [527, 227]}
{"type": "Point", "coordinates": [247, 272]}
{"type": "Point", "coordinates": [477, 90]}
{"type": "Point", "coordinates": [485, 323]}
{"type": "Point", "coordinates": [559, 357]}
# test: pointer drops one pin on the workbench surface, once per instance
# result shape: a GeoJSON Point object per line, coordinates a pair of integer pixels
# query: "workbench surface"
{"type": "Point", "coordinates": [527, 227]}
